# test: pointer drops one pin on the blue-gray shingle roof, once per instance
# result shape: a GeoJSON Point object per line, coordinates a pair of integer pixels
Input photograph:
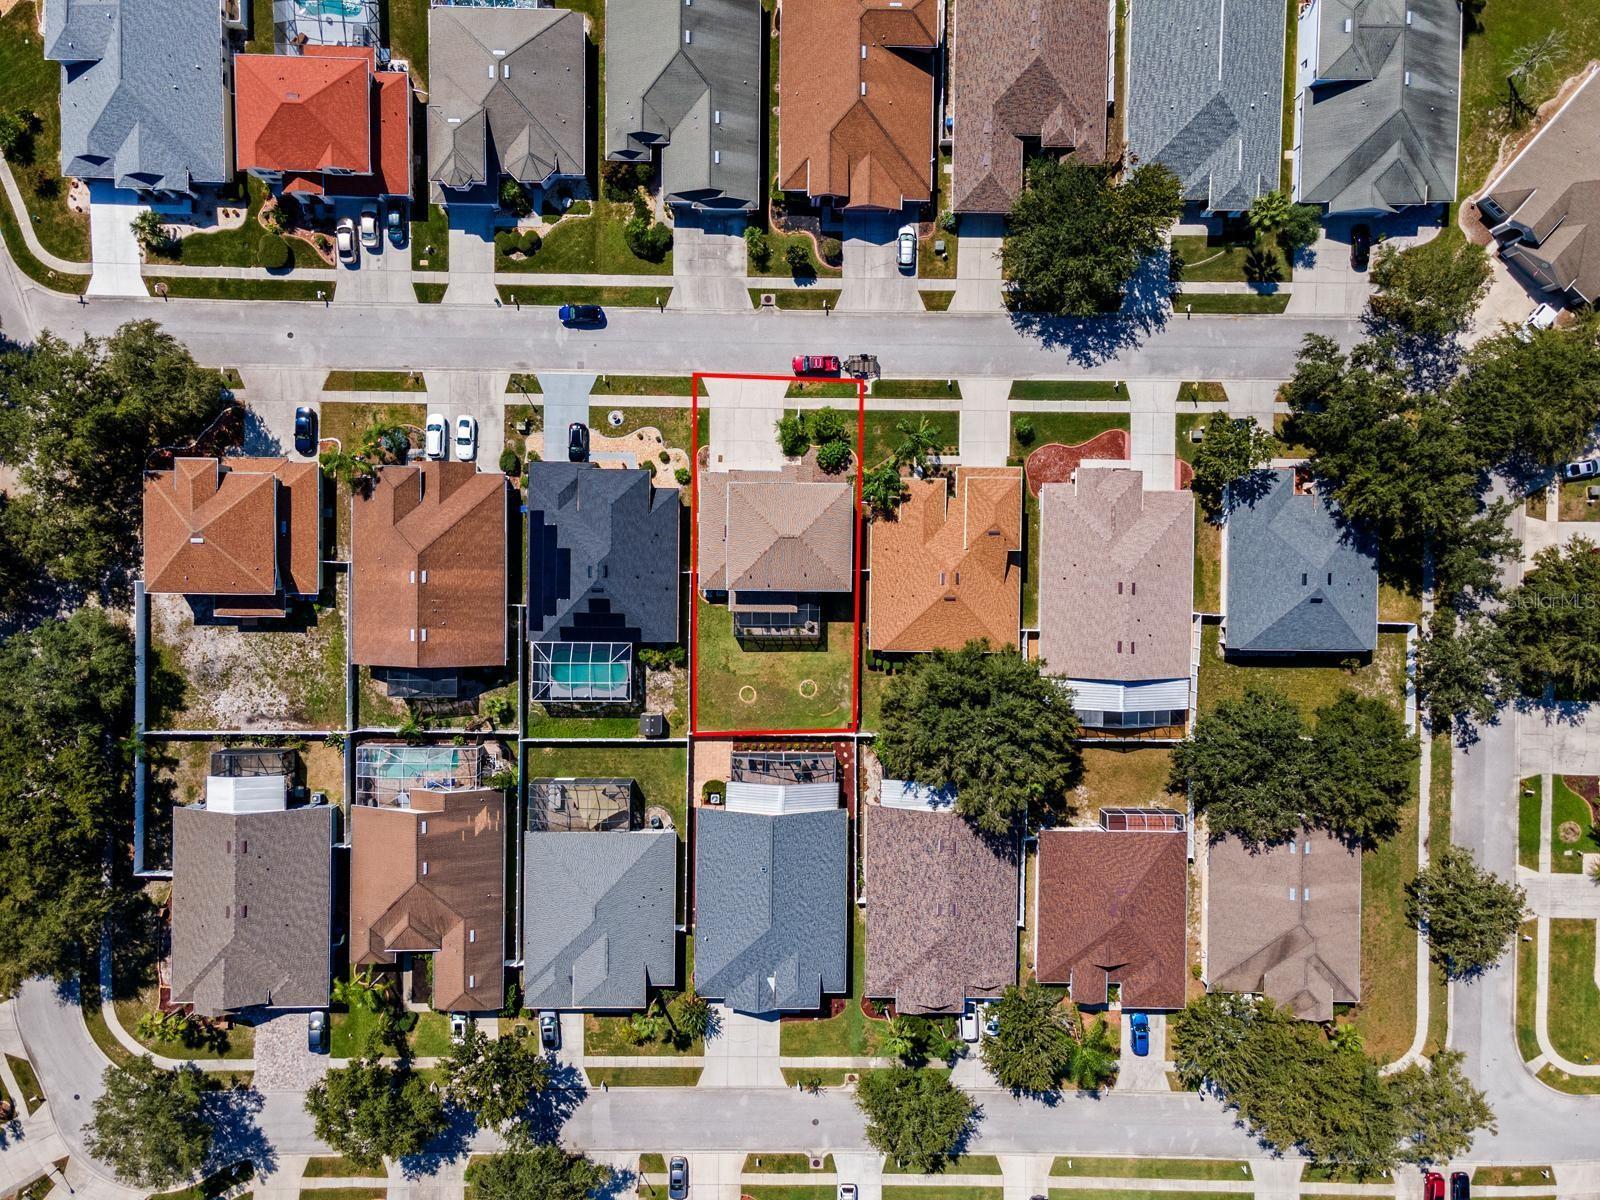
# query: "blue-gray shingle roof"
{"type": "Point", "coordinates": [1205, 95]}
{"type": "Point", "coordinates": [598, 913]}
{"type": "Point", "coordinates": [144, 97]}
{"type": "Point", "coordinates": [771, 908]}
{"type": "Point", "coordinates": [1300, 579]}
{"type": "Point", "coordinates": [602, 555]}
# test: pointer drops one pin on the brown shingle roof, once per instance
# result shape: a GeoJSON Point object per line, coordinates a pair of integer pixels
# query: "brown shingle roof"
{"type": "Point", "coordinates": [944, 572]}
{"type": "Point", "coordinates": [1285, 922]}
{"type": "Point", "coordinates": [941, 910]}
{"type": "Point", "coordinates": [1116, 577]}
{"type": "Point", "coordinates": [855, 114]}
{"type": "Point", "coordinates": [431, 878]}
{"type": "Point", "coordinates": [428, 568]}
{"type": "Point", "coordinates": [1112, 910]}
{"type": "Point", "coordinates": [1023, 69]}
{"type": "Point", "coordinates": [775, 531]}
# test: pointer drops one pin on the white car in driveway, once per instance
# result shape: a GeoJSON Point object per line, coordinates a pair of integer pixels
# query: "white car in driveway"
{"type": "Point", "coordinates": [906, 247]}
{"type": "Point", "coordinates": [344, 237]}
{"type": "Point", "coordinates": [369, 226]}
{"type": "Point", "coordinates": [433, 435]}
{"type": "Point", "coordinates": [466, 438]}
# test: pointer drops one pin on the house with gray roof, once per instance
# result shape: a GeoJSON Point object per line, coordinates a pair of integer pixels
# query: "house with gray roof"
{"type": "Point", "coordinates": [1300, 578]}
{"type": "Point", "coordinates": [1377, 110]}
{"type": "Point", "coordinates": [686, 79]}
{"type": "Point", "coordinates": [602, 577]}
{"type": "Point", "coordinates": [508, 95]}
{"type": "Point", "coordinates": [145, 92]}
{"type": "Point", "coordinates": [771, 908]}
{"type": "Point", "coordinates": [598, 918]}
{"type": "Point", "coordinates": [1205, 95]}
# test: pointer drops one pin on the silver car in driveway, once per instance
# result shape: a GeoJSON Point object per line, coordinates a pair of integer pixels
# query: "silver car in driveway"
{"type": "Point", "coordinates": [678, 1178]}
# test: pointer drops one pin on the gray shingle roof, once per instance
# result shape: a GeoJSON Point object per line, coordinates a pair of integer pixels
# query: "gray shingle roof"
{"type": "Point", "coordinates": [1205, 95]}
{"type": "Point", "coordinates": [508, 92]}
{"type": "Point", "coordinates": [251, 895]}
{"type": "Point", "coordinates": [1380, 118]}
{"type": "Point", "coordinates": [598, 918]}
{"type": "Point", "coordinates": [687, 77]}
{"type": "Point", "coordinates": [771, 920]}
{"type": "Point", "coordinates": [602, 555]}
{"type": "Point", "coordinates": [1300, 579]}
{"type": "Point", "coordinates": [144, 95]}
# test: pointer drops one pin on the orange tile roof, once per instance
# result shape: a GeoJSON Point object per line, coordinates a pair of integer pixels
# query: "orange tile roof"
{"type": "Point", "coordinates": [299, 519]}
{"type": "Point", "coordinates": [428, 568]}
{"type": "Point", "coordinates": [309, 112]}
{"type": "Point", "coordinates": [947, 570]}
{"type": "Point", "coordinates": [855, 114]}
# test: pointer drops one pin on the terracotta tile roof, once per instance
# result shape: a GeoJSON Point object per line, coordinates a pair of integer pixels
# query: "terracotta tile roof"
{"type": "Point", "coordinates": [233, 527]}
{"type": "Point", "coordinates": [1116, 577]}
{"type": "Point", "coordinates": [1285, 922]}
{"type": "Point", "coordinates": [431, 878]}
{"type": "Point", "coordinates": [1112, 910]}
{"type": "Point", "coordinates": [941, 910]}
{"type": "Point", "coordinates": [784, 531]}
{"type": "Point", "coordinates": [855, 113]}
{"type": "Point", "coordinates": [1019, 70]}
{"type": "Point", "coordinates": [946, 570]}
{"type": "Point", "coordinates": [308, 112]}
{"type": "Point", "coordinates": [428, 568]}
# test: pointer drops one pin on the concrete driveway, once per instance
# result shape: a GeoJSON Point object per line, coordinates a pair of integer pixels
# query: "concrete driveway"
{"type": "Point", "coordinates": [477, 394]}
{"type": "Point", "coordinates": [743, 414]}
{"type": "Point", "coordinates": [708, 264]}
{"type": "Point", "coordinates": [1147, 1074]}
{"type": "Point", "coordinates": [471, 257]}
{"type": "Point", "coordinates": [978, 282]}
{"type": "Point", "coordinates": [873, 280]}
{"type": "Point", "coordinates": [743, 1052]}
{"type": "Point", "coordinates": [112, 246]}
{"type": "Point", "coordinates": [383, 272]}
{"type": "Point", "coordinates": [566, 399]}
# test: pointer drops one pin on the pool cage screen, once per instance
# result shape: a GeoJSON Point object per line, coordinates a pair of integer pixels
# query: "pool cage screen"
{"type": "Point", "coordinates": [387, 772]}
{"type": "Point", "coordinates": [570, 672]}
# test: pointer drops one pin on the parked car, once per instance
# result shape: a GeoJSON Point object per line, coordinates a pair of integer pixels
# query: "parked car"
{"type": "Point", "coordinates": [369, 225]}
{"type": "Point", "coordinates": [582, 314]}
{"type": "Point", "coordinates": [1433, 1186]}
{"type": "Point", "coordinates": [305, 430]}
{"type": "Point", "coordinates": [1542, 317]}
{"type": "Point", "coordinates": [847, 1191]}
{"type": "Point", "coordinates": [466, 438]}
{"type": "Point", "coordinates": [1139, 1032]}
{"type": "Point", "coordinates": [816, 364]}
{"type": "Point", "coordinates": [678, 1178]}
{"type": "Point", "coordinates": [397, 227]}
{"type": "Point", "coordinates": [317, 1033]}
{"type": "Point", "coordinates": [1360, 247]}
{"type": "Point", "coordinates": [550, 1031]}
{"type": "Point", "coordinates": [1460, 1186]}
{"type": "Point", "coordinates": [344, 237]}
{"type": "Point", "coordinates": [1584, 468]}
{"type": "Point", "coordinates": [906, 254]}
{"type": "Point", "coordinates": [991, 1022]}
{"type": "Point", "coordinates": [969, 1022]}
{"type": "Point", "coordinates": [433, 436]}
{"type": "Point", "coordinates": [577, 442]}
{"type": "Point", "coordinates": [458, 1027]}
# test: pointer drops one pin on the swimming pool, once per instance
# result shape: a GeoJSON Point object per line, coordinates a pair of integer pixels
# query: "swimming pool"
{"type": "Point", "coordinates": [327, 9]}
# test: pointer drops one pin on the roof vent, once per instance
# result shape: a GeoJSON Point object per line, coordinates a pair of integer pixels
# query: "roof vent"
{"type": "Point", "coordinates": [863, 51]}
{"type": "Point", "coordinates": [863, 87]}
{"type": "Point", "coordinates": [688, 36]}
{"type": "Point", "coordinates": [1409, 15]}
{"type": "Point", "coordinates": [505, 70]}
{"type": "Point", "coordinates": [197, 540]}
{"type": "Point", "coordinates": [716, 156]}
{"type": "Point", "coordinates": [1347, 24]}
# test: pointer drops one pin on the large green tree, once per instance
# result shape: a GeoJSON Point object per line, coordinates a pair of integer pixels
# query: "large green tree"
{"type": "Point", "coordinates": [64, 788]}
{"type": "Point", "coordinates": [1033, 1050]}
{"type": "Point", "coordinates": [1230, 450]}
{"type": "Point", "coordinates": [1462, 668]}
{"type": "Point", "coordinates": [1468, 915]}
{"type": "Point", "coordinates": [918, 1118]}
{"type": "Point", "coordinates": [372, 1110]}
{"type": "Point", "coordinates": [494, 1078]}
{"type": "Point", "coordinates": [1438, 1109]}
{"type": "Point", "coordinates": [1430, 290]}
{"type": "Point", "coordinates": [991, 725]}
{"type": "Point", "coordinates": [1245, 767]}
{"type": "Point", "coordinates": [1363, 765]}
{"type": "Point", "coordinates": [1551, 623]}
{"type": "Point", "coordinates": [1533, 394]}
{"type": "Point", "coordinates": [149, 1123]}
{"type": "Point", "coordinates": [545, 1170]}
{"type": "Point", "coordinates": [1076, 235]}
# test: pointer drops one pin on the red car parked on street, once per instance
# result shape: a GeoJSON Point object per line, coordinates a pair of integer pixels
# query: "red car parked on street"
{"type": "Point", "coordinates": [816, 364]}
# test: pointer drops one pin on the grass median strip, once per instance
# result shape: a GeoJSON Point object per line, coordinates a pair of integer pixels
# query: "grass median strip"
{"type": "Point", "coordinates": [936, 301]}
{"type": "Point", "coordinates": [336, 1166]}
{"type": "Point", "coordinates": [1070, 1193]}
{"type": "Point", "coordinates": [940, 1191]}
{"type": "Point", "coordinates": [916, 389]}
{"type": "Point", "coordinates": [1512, 1176]}
{"type": "Point", "coordinates": [1068, 389]}
{"type": "Point", "coordinates": [783, 1164]}
{"type": "Point", "coordinates": [1231, 302]}
{"type": "Point", "coordinates": [202, 287]}
{"type": "Point", "coordinates": [1151, 1168]}
{"type": "Point", "coordinates": [374, 381]}
{"type": "Point", "coordinates": [32, 1094]}
{"type": "Point", "coordinates": [617, 297]}
{"type": "Point", "coordinates": [791, 1191]}
{"type": "Point", "coordinates": [644, 1076]}
{"type": "Point", "coordinates": [813, 298]}
{"type": "Point", "coordinates": [429, 293]}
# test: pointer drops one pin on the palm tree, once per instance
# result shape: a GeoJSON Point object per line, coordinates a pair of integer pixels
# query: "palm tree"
{"type": "Point", "coordinates": [361, 991]}
{"type": "Point", "coordinates": [1345, 1037]}
{"type": "Point", "coordinates": [917, 442]}
{"type": "Point", "coordinates": [1094, 1058]}
{"type": "Point", "coordinates": [898, 1039]}
{"type": "Point", "coordinates": [1269, 212]}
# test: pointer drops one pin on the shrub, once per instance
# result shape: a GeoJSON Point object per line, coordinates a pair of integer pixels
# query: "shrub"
{"type": "Point", "coordinates": [792, 436]}
{"type": "Point", "coordinates": [798, 258]}
{"type": "Point", "coordinates": [514, 197]}
{"type": "Point", "coordinates": [760, 248]}
{"type": "Point", "coordinates": [272, 252]}
{"type": "Point", "coordinates": [506, 241]}
{"type": "Point", "coordinates": [947, 222]}
{"type": "Point", "coordinates": [529, 242]}
{"type": "Point", "coordinates": [682, 476]}
{"type": "Point", "coordinates": [832, 249]}
{"type": "Point", "coordinates": [827, 425]}
{"type": "Point", "coordinates": [579, 208]}
{"type": "Point", "coordinates": [833, 457]}
{"type": "Point", "coordinates": [1024, 431]}
{"type": "Point", "coordinates": [647, 241]}
{"type": "Point", "coordinates": [660, 658]}
{"type": "Point", "coordinates": [510, 461]}
{"type": "Point", "coordinates": [713, 787]}
{"type": "Point", "coordinates": [664, 457]}
{"type": "Point", "coordinates": [619, 181]}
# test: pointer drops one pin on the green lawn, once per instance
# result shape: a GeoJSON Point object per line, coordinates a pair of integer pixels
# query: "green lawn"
{"type": "Point", "coordinates": [1067, 428]}
{"type": "Point", "coordinates": [1574, 998]}
{"type": "Point", "coordinates": [616, 297]}
{"type": "Point", "coordinates": [344, 1193]}
{"type": "Point", "coordinates": [883, 432]}
{"type": "Point", "coordinates": [916, 389]}
{"type": "Point", "coordinates": [335, 1166]}
{"type": "Point", "coordinates": [590, 244]}
{"type": "Point", "coordinates": [238, 1042]}
{"type": "Point", "coordinates": [822, 389]}
{"type": "Point", "coordinates": [1527, 989]}
{"type": "Point", "coordinates": [374, 381]}
{"type": "Point", "coordinates": [1068, 389]}
{"type": "Point", "coordinates": [930, 265]}
{"type": "Point", "coordinates": [802, 298]}
{"type": "Point", "coordinates": [1576, 1085]}
{"type": "Point", "coordinates": [1310, 685]}
{"type": "Point", "coordinates": [1569, 810]}
{"type": "Point", "coordinates": [1226, 260]}
{"type": "Point", "coordinates": [406, 34]}
{"type": "Point", "coordinates": [641, 385]}
{"type": "Point", "coordinates": [190, 287]}
{"type": "Point", "coordinates": [1202, 392]}
{"type": "Point", "coordinates": [1207, 564]}
{"type": "Point", "coordinates": [1440, 801]}
{"type": "Point", "coordinates": [672, 423]}
{"type": "Point", "coordinates": [430, 241]}
{"type": "Point", "coordinates": [1030, 557]}
{"type": "Point", "coordinates": [1511, 1176]}
{"type": "Point", "coordinates": [643, 1076]}
{"type": "Point", "coordinates": [661, 772]}
{"type": "Point", "coordinates": [1153, 1168]}
{"type": "Point", "coordinates": [1575, 503]}
{"type": "Point", "coordinates": [30, 83]}
{"type": "Point", "coordinates": [936, 301]}
{"type": "Point", "coordinates": [607, 1036]}
{"type": "Point", "coordinates": [1222, 302]}
{"type": "Point", "coordinates": [27, 1080]}
{"type": "Point", "coordinates": [790, 1191]}
{"type": "Point", "coordinates": [235, 247]}
{"type": "Point", "coordinates": [782, 1164]}
{"type": "Point", "coordinates": [428, 1033]}
{"type": "Point", "coordinates": [1125, 777]}
{"type": "Point", "coordinates": [213, 1185]}
{"type": "Point", "coordinates": [429, 293]}
{"type": "Point", "coordinates": [1400, 601]}
{"type": "Point", "coordinates": [1529, 802]}
{"type": "Point", "coordinates": [17, 248]}
{"type": "Point", "coordinates": [848, 1034]}
{"type": "Point", "coordinates": [802, 687]}
{"type": "Point", "coordinates": [778, 265]}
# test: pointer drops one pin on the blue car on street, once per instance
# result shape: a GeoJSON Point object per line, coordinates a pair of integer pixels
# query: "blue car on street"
{"type": "Point", "coordinates": [1140, 1028]}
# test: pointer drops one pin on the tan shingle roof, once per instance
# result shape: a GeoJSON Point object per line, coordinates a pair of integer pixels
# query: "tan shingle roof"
{"type": "Point", "coordinates": [428, 568]}
{"type": "Point", "coordinates": [1116, 577]}
{"type": "Point", "coordinates": [945, 571]}
{"type": "Point", "coordinates": [775, 531]}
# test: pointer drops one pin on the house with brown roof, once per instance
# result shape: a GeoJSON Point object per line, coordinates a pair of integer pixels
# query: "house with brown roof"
{"type": "Point", "coordinates": [855, 113]}
{"type": "Point", "coordinates": [324, 121]}
{"type": "Point", "coordinates": [1024, 75]}
{"type": "Point", "coordinates": [941, 905]}
{"type": "Point", "coordinates": [947, 569]}
{"type": "Point", "coordinates": [243, 534]}
{"type": "Point", "coordinates": [1284, 922]}
{"type": "Point", "coordinates": [427, 877]}
{"type": "Point", "coordinates": [1116, 588]}
{"type": "Point", "coordinates": [428, 568]}
{"type": "Point", "coordinates": [1112, 909]}
{"type": "Point", "coordinates": [772, 543]}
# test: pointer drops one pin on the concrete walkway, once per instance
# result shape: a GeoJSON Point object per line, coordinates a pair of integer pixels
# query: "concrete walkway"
{"type": "Point", "coordinates": [985, 422]}
{"type": "Point", "coordinates": [29, 237]}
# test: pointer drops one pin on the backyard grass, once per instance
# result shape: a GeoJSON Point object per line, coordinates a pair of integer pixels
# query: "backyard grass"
{"type": "Point", "coordinates": [1134, 777]}
{"type": "Point", "coordinates": [883, 433]}
{"type": "Point", "coordinates": [543, 725]}
{"type": "Point", "coordinates": [916, 389]}
{"type": "Point", "coordinates": [32, 84]}
{"type": "Point", "coordinates": [848, 1034]}
{"type": "Point", "coordinates": [589, 245]}
{"type": "Point", "coordinates": [1207, 564]}
{"type": "Point", "coordinates": [1575, 503]}
{"type": "Point", "coordinates": [1400, 602]}
{"type": "Point", "coordinates": [1511, 1176]}
{"type": "Point", "coordinates": [800, 298]}
{"type": "Point", "coordinates": [1153, 1168]}
{"type": "Point", "coordinates": [1067, 428]}
{"type": "Point", "coordinates": [1068, 389]}
{"type": "Point", "coordinates": [1529, 802]}
{"type": "Point", "coordinates": [374, 381]}
{"type": "Point", "coordinates": [192, 287]}
{"type": "Point", "coordinates": [782, 1164]}
{"type": "Point", "coordinates": [1310, 685]}
{"type": "Point", "coordinates": [407, 35]}
{"type": "Point", "coordinates": [1030, 559]}
{"type": "Point", "coordinates": [1223, 302]}
{"type": "Point", "coordinates": [429, 293]}
{"type": "Point", "coordinates": [641, 385]}
{"type": "Point", "coordinates": [1568, 809]}
{"type": "Point", "coordinates": [335, 1166]}
{"type": "Point", "coordinates": [616, 297]}
{"type": "Point", "coordinates": [661, 773]}
{"type": "Point", "coordinates": [643, 1076]}
{"type": "Point", "coordinates": [936, 301]}
{"type": "Point", "coordinates": [778, 265]}
{"type": "Point", "coordinates": [1574, 998]}
{"type": "Point", "coordinates": [27, 1081]}
{"type": "Point", "coordinates": [1229, 259]}
{"type": "Point", "coordinates": [430, 241]}
{"type": "Point", "coordinates": [788, 688]}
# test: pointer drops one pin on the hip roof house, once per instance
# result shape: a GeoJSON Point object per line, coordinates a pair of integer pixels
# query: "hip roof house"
{"type": "Point", "coordinates": [1205, 95]}
{"type": "Point", "coordinates": [1377, 115]}
{"type": "Point", "coordinates": [145, 92]}
{"type": "Point", "coordinates": [686, 78]}
{"type": "Point", "coordinates": [1022, 74]}
{"type": "Point", "coordinates": [855, 122]}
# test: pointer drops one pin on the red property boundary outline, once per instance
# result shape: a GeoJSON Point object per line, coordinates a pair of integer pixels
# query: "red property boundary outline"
{"type": "Point", "coordinates": [694, 561]}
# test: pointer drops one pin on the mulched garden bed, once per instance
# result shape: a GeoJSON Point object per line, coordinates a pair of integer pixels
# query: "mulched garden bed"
{"type": "Point", "coordinates": [1587, 786]}
{"type": "Point", "coordinates": [1055, 463]}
